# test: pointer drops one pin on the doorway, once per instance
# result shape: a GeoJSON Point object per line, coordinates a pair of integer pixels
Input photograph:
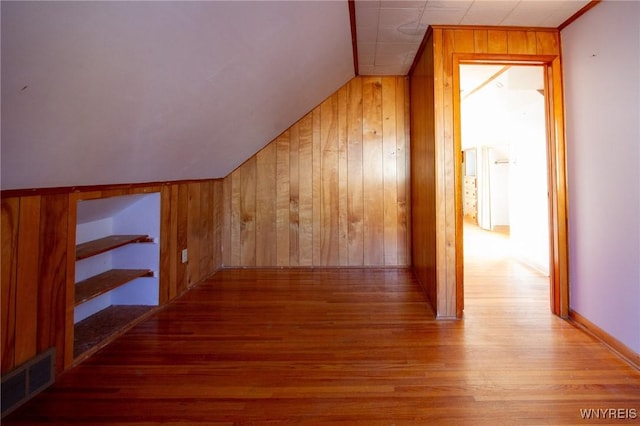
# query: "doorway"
{"type": "Point", "coordinates": [505, 191]}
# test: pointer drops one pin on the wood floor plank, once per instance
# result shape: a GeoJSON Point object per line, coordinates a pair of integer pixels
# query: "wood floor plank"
{"type": "Point", "coordinates": [342, 346]}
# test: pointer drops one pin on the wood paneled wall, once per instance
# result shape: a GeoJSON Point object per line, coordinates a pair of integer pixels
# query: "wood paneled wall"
{"type": "Point", "coordinates": [434, 127]}
{"type": "Point", "coordinates": [38, 259]}
{"type": "Point", "coordinates": [332, 190]}
{"type": "Point", "coordinates": [423, 174]}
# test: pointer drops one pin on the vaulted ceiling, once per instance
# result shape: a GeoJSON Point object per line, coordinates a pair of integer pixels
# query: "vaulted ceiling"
{"type": "Point", "coordinates": [126, 92]}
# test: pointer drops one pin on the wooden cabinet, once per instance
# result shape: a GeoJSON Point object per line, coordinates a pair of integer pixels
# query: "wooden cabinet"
{"type": "Point", "coordinates": [117, 259]}
{"type": "Point", "coordinates": [470, 198]}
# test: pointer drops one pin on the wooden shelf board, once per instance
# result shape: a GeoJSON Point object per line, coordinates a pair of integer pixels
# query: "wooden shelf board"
{"type": "Point", "coordinates": [106, 281]}
{"type": "Point", "coordinates": [95, 247]}
{"type": "Point", "coordinates": [98, 329]}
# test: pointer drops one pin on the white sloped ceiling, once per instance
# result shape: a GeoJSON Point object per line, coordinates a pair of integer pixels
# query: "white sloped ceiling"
{"type": "Point", "coordinates": [126, 92]}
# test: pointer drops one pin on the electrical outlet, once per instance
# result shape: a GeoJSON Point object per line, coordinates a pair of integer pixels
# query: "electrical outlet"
{"type": "Point", "coordinates": [185, 256]}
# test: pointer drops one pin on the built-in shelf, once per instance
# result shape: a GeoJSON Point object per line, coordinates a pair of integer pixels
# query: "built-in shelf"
{"type": "Point", "coordinates": [102, 327]}
{"type": "Point", "coordinates": [102, 245]}
{"type": "Point", "coordinates": [106, 281]}
{"type": "Point", "coordinates": [116, 258]}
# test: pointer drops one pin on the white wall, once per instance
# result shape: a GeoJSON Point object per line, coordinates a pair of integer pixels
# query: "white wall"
{"type": "Point", "coordinates": [601, 55]}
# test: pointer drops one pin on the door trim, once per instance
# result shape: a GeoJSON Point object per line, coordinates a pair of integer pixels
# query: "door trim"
{"type": "Point", "coordinates": [556, 171]}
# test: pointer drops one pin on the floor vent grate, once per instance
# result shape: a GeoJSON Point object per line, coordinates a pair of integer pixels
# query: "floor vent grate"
{"type": "Point", "coordinates": [24, 382]}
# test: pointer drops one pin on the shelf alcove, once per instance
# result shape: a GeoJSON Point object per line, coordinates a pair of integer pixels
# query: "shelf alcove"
{"type": "Point", "coordinates": [117, 266]}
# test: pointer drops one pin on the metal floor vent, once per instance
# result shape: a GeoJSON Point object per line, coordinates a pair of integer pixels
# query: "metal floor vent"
{"type": "Point", "coordinates": [27, 380]}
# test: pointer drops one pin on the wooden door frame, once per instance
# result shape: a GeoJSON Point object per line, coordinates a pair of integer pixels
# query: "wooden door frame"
{"type": "Point", "coordinates": [556, 171]}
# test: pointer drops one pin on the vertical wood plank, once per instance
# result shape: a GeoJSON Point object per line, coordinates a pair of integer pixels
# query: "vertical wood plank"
{"type": "Point", "coordinates": [464, 41]}
{"type": "Point", "coordinates": [219, 205]}
{"type": "Point", "coordinates": [182, 279]}
{"type": "Point", "coordinates": [28, 279]}
{"type": "Point", "coordinates": [441, 56]}
{"type": "Point", "coordinates": [10, 223]}
{"type": "Point", "coordinates": [248, 213]}
{"type": "Point", "coordinates": [521, 42]}
{"type": "Point", "coordinates": [389, 172]}
{"type": "Point", "coordinates": [447, 304]}
{"type": "Point", "coordinates": [329, 202]}
{"type": "Point", "coordinates": [480, 41]}
{"type": "Point", "coordinates": [355, 174]}
{"type": "Point", "coordinates": [306, 191]}
{"type": "Point", "coordinates": [343, 175]}
{"type": "Point", "coordinates": [207, 231]}
{"type": "Point", "coordinates": [166, 236]}
{"type": "Point", "coordinates": [52, 271]}
{"type": "Point", "coordinates": [265, 206]}
{"type": "Point", "coordinates": [174, 249]}
{"type": "Point", "coordinates": [236, 221]}
{"type": "Point", "coordinates": [316, 187]}
{"type": "Point", "coordinates": [226, 221]}
{"type": "Point", "coordinates": [372, 164]}
{"type": "Point", "coordinates": [70, 285]}
{"type": "Point", "coordinates": [294, 195]}
{"type": "Point", "coordinates": [194, 230]}
{"type": "Point", "coordinates": [402, 170]}
{"type": "Point", "coordinates": [283, 198]}
{"type": "Point", "coordinates": [497, 41]}
{"type": "Point", "coordinates": [547, 43]}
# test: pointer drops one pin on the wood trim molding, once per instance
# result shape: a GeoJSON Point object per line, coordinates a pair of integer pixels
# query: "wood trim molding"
{"type": "Point", "coordinates": [354, 35]}
{"type": "Point", "coordinates": [578, 14]}
{"type": "Point", "coordinates": [143, 186]}
{"type": "Point", "coordinates": [616, 346]}
{"type": "Point", "coordinates": [493, 27]}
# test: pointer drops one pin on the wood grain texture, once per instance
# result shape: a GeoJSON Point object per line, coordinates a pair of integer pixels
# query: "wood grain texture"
{"type": "Point", "coordinates": [341, 189]}
{"type": "Point", "coordinates": [52, 267]}
{"type": "Point", "coordinates": [305, 191]}
{"type": "Point", "coordinates": [194, 227]}
{"type": "Point", "coordinates": [182, 236]}
{"type": "Point", "coordinates": [284, 205]}
{"type": "Point", "coordinates": [102, 245]}
{"type": "Point", "coordinates": [10, 228]}
{"type": "Point", "coordinates": [343, 347]}
{"type": "Point", "coordinates": [343, 178]}
{"type": "Point", "coordinates": [373, 171]}
{"type": "Point", "coordinates": [403, 187]}
{"type": "Point", "coordinates": [329, 202]}
{"type": "Point", "coordinates": [27, 278]}
{"type": "Point", "coordinates": [99, 284]}
{"type": "Point", "coordinates": [423, 161]}
{"type": "Point", "coordinates": [265, 206]}
{"type": "Point", "coordinates": [390, 171]}
{"type": "Point", "coordinates": [207, 233]}
{"type": "Point", "coordinates": [219, 222]}
{"type": "Point", "coordinates": [355, 174]}
{"type": "Point", "coordinates": [167, 251]}
{"type": "Point", "coordinates": [294, 196]}
{"type": "Point", "coordinates": [248, 211]}
{"type": "Point", "coordinates": [225, 205]}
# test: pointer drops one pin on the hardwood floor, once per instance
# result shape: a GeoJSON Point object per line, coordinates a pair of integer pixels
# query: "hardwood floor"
{"type": "Point", "coordinates": [344, 347]}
